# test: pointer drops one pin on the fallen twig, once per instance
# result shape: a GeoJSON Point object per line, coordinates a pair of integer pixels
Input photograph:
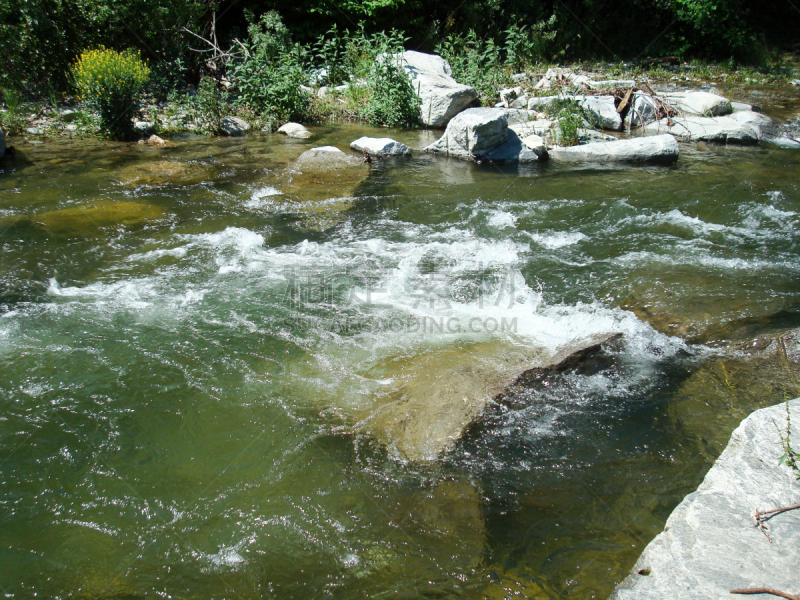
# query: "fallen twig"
{"type": "Point", "coordinates": [767, 591]}
{"type": "Point", "coordinates": [762, 516]}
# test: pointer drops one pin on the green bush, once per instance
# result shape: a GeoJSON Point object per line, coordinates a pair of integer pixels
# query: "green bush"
{"type": "Point", "coordinates": [12, 119]}
{"type": "Point", "coordinates": [209, 106]}
{"type": "Point", "coordinates": [271, 72]}
{"type": "Point", "coordinates": [392, 100]}
{"type": "Point", "coordinates": [112, 82]}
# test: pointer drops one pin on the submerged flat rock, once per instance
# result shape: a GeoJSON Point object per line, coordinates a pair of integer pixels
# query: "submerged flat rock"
{"type": "Point", "coordinates": [86, 220]}
{"type": "Point", "coordinates": [442, 393]}
{"type": "Point", "coordinates": [710, 545]}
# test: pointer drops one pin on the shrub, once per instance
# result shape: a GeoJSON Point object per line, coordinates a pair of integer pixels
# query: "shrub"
{"type": "Point", "coordinates": [392, 100]}
{"type": "Point", "coordinates": [209, 106]}
{"type": "Point", "coordinates": [112, 82]}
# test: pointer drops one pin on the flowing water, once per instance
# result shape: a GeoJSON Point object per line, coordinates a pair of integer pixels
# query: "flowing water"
{"type": "Point", "coordinates": [187, 352]}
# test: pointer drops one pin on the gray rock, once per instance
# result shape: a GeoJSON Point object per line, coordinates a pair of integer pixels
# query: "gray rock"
{"type": "Point", "coordinates": [294, 130]}
{"type": "Point", "coordinates": [700, 103]}
{"type": "Point", "coordinates": [143, 127]}
{"type": "Point", "coordinates": [515, 150]}
{"type": "Point", "coordinates": [543, 102]}
{"type": "Point", "coordinates": [795, 82]}
{"type": "Point", "coordinates": [709, 545]}
{"type": "Point", "coordinates": [517, 77]}
{"type": "Point", "coordinates": [604, 111]}
{"type": "Point", "coordinates": [520, 102]}
{"type": "Point", "coordinates": [472, 133]}
{"type": "Point", "coordinates": [556, 75]}
{"type": "Point", "coordinates": [740, 106]}
{"type": "Point", "coordinates": [380, 146]}
{"type": "Point", "coordinates": [34, 131]}
{"type": "Point", "coordinates": [509, 95]}
{"type": "Point", "coordinates": [67, 114]}
{"type": "Point", "coordinates": [765, 127]}
{"type": "Point", "coordinates": [705, 129]}
{"type": "Point", "coordinates": [234, 126]}
{"type": "Point", "coordinates": [642, 111]}
{"type": "Point", "coordinates": [308, 90]}
{"type": "Point", "coordinates": [656, 149]}
{"type": "Point", "coordinates": [537, 144]}
{"type": "Point", "coordinates": [785, 142]}
{"type": "Point", "coordinates": [323, 91]}
{"type": "Point", "coordinates": [432, 79]}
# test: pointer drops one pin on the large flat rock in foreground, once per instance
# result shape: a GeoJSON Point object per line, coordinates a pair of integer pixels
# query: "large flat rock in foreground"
{"type": "Point", "coordinates": [710, 544]}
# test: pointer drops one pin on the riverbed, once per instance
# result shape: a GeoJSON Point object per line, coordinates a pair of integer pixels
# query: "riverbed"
{"type": "Point", "coordinates": [188, 347]}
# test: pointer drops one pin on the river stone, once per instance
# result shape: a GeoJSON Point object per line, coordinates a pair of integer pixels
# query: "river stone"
{"type": "Point", "coordinates": [642, 110]}
{"type": "Point", "coordinates": [740, 106]}
{"type": "Point", "coordinates": [443, 392]}
{"type": "Point", "coordinates": [604, 111]}
{"type": "Point", "coordinates": [380, 146]}
{"type": "Point", "coordinates": [656, 149]}
{"type": "Point", "coordinates": [705, 129]}
{"type": "Point", "coordinates": [709, 545]}
{"type": "Point", "coordinates": [34, 131]}
{"type": "Point", "coordinates": [86, 220]}
{"type": "Point", "coordinates": [294, 130]}
{"type": "Point", "coordinates": [786, 142]}
{"type": "Point", "coordinates": [472, 133]}
{"type": "Point", "coordinates": [765, 127]}
{"type": "Point", "coordinates": [234, 126]}
{"type": "Point", "coordinates": [432, 79]}
{"type": "Point", "coordinates": [143, 127]}
{"type": "Point", "coordinates": [536, 143]}
{"type": "Point", "coordinates": [703, 104]}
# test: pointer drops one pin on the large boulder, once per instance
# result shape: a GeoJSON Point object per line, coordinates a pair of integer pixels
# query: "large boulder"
{"type": "Point", "coordinates": [710, 545]}
{"type": "Point", "coordinates": [234, 126]}
{"type": "Point", "coordinates": [656, 149]}
{"type": "Point", "coordinates": [442, 96]}
{"type": "Point", "coordinates": [380, 146]}
{"type": "Point", "coordinates": [472, 133]}
{"type": "Point", "coordinates": [703, 104]}
{"type": "Point", "coordinates": [705, 129]}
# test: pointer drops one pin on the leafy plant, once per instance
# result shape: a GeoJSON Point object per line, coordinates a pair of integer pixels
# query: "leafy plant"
{"type": "Point", "coordinates": [791, 457]}
{"type": "Point", "coordinates": [112, 82]}
{"type": "Point", "coordinates": [393, 101]}
{"type": "Point", "coordinates": [209, 106]}
{"type": "Point", "coordinates": [12, 119]}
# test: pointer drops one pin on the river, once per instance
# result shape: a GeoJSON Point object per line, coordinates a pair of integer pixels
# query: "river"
{"type": "Point", "coordinates": [185, 364]}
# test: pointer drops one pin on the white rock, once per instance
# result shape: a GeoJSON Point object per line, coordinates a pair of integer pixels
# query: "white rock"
{"type": "Point", "coordinates": [536, 143]}
{"type": "Point", "coordinates": [294, 130]}
{"type": "Point", "coordinates": [604, 111]}
{"type": "Point", "coordinates": [785, 142]}
{"type": "Point", "coordinates": [71, 127]}
{"type": "Point", "coordinates": [307, 89]}
{"type": "Point", "coordinates": [553, 76]}
{"type": "Point", "coordinates": [740, 106]}
{"type": "Point", "coordinates": [472, 133]}
{"type": "Point", "coordinates": [661, 148]}
{"type": "Point", "coordinates": [234, 126]}
{"type": "Point", "coordinates": [143, 126]}
{"type": "Point", "coordinates": [323, 91]}
{"type": "Point", "coordinates": [380, 146]}
{"type": "Point", "coordinates": [642, 111]}
{"type": "Point", "coordinates": [67, 114]}
{"type": "Point", "coordinates": [700, 103]}
{"type": "Point", "coordinates": [706, 129]}
{"type": "Point", "coordinates": [709, 545]}
{"type": "Point", "coordinates": [432, 79]}
{"type": "Point", "coordinates": [765, 127]}
{"type": "Point", "coordinates": [517, 77]}
{"type": "Point", "coordinates": [34, 131]}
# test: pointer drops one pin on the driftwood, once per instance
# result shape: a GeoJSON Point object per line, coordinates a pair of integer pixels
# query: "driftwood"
{"type": "Point", "coordinates": [767, 591]}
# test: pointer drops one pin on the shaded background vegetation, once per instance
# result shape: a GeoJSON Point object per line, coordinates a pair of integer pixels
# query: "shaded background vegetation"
{"type": "Point", "coordinates": [42, 38]}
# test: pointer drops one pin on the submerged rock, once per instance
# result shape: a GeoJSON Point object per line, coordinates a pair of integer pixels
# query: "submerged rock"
{"type": "Point", "coordinates": [656, 149]}
{"type": "Point", "coordinates": [380, 146]}
{"type": "Point", "coordinates": [294, 130]}
{"type": "Point", "coordinates": [705, 129]}
{"type": "Point", "coordinates": [88, 219]}
{"type": "Point", "coordinates": [443, 392]}
{"type": "Point", "coordinates": [164, 172]}
{"type": "Point", "coordinates": [710, 545]}
{"type": "Point", "coordinates": [432, 79]}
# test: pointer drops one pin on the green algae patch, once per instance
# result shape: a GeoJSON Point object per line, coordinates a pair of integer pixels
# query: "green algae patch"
{"type": "Point", "coordinates": [165, 172]}
{"type": "Point", "coordinates": [89, 219]}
